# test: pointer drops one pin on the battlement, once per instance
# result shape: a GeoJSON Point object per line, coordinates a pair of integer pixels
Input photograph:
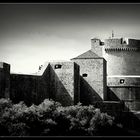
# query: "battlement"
{"type": "Point", "coordinates": [114, 41]}
{"type": "Point", "coordinates": [122, 49]}
{"type": "Point", "coordinates": [122, 44]}
{"type": "Point", "coordinates": [134, 42]}
{"type": "Point", "coordinates": [115, 44]}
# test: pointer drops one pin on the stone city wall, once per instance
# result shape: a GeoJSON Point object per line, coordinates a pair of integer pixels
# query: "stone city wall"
{"type": "Point", "coordinates": [92, 80]}
{"type": "Point", "coordinates": [64, 83]}
{"type": "Point", "coordinates": [59, 81]}
{"type": "Point", "coordinates": [4, 80]}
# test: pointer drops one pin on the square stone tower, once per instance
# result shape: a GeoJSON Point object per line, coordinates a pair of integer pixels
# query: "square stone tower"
{"type": "Point", "coordinates": [92, 74]}
{"type": "Point", "coordinates": [96, 46]}
{"type": "Point", "coordinates": [64, 82]}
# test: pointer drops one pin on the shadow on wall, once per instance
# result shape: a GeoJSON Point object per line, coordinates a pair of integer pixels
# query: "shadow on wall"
{"type": "Point", "coordinates": [34, 89]}
{"type": "Point", "coordinates": [130, 120]}
{"type": "Point", "coordinates": [28, 88]}
{"type": "Point", "coordinates": [43, 85]}
{"type": "Point", "coordinates": [57, 90]}
{"type": "Point", "coordinates": [87, 94]}
{"type": "Point", "coordinates": [23, 88]}
{"type": "Point", "coordinates": [111, 95]}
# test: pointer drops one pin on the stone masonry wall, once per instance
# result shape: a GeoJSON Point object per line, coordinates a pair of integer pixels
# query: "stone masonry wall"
{"type": "Point", "coordinates": [76, 83]}
{"type": "Point", "coordinates": [96, 47]}
{"type": "Point", "coordinates": [4, 80]}
{"type": "Point", "coordinates": [29, 88]}
{"type": "Point", "coordinates": [63, 84]}
{"type": "Point", "coordinates": [23, 88]}
{"type": "Point", "coordinates": [58, 81]}
{"type": "Point", "coordinates": [123, 81]}
{"type": "Point", "coordinates": [122, 58]}
{"type": "Point", "coordinates": [129, 95]}
{"type": "Point", "coordinates": [92, 80]}
{"type": "Point", "coordinates": [123, 62]}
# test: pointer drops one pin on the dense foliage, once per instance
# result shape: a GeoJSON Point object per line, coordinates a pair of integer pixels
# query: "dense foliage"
{"type": "Point", "coordinates": [51, 119]}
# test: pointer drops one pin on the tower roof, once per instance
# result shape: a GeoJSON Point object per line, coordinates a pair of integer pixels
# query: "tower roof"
{"type": "Point", "coordinates": [87, 55]}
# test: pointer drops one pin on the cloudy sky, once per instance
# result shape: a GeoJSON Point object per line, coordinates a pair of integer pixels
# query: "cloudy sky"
{"type": "Point", "coordinates": [31, 34]}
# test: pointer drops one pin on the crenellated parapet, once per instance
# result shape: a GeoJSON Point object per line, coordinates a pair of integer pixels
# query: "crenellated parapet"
{"type": "Point", "coordinates": [107, 49]}
{"type": "Point", "coordinates": [121, 44]}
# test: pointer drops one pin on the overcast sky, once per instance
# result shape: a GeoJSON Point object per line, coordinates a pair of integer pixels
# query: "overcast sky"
{"type": "Point", "coordinates": [31, 34]}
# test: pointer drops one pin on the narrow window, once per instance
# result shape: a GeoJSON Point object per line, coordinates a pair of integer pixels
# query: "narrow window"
{"type": "Point", "coordinates": [124, 42]}
{"type": "Point", "coordinates": [84, 75]}
{"type": "Point", "coordinates": [57, 66]}
{"type": "Point", "coordinates": [121, 81]}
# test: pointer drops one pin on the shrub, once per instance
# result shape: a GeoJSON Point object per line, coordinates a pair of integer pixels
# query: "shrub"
{"type": "Point", "coordinates": [51, 118]}
{"type": "Point", "coordinates": [86, 120]}
{"type": "Point", "coordinates": [4, 105]}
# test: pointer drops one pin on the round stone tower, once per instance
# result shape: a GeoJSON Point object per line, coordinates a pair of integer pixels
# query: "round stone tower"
{"type": "Point", "coordinates": [123, 71]}
{"type": "Point", "coordinates": [123, 56]}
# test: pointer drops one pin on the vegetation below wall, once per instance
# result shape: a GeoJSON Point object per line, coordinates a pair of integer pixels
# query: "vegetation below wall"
{"type": "Point", "coordinates": [52, 119]}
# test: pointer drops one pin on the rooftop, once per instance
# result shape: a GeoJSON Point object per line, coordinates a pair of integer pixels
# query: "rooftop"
{"type": "Point", "coordinates": [86, 55]}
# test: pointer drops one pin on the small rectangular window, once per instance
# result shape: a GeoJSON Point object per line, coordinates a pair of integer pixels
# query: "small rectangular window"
{"type": "Point", "coordinates": [84, 75]}
{"type": "Point", "coordinates": [58, 66]}
{"type": "Point", "coordinates": [122, 81]}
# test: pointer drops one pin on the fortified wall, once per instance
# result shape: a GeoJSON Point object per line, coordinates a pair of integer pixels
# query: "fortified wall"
{"type": "Point", "coordinates": [4, 80]}
{"type": "Point", "coordinates": [108, 73]}
{"type": "Point", "coordinates": [92, 78]}
{"type": "Point", "coordinates": [106, 76]}
{"type": "Point", "coordinates": [56, 80]}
